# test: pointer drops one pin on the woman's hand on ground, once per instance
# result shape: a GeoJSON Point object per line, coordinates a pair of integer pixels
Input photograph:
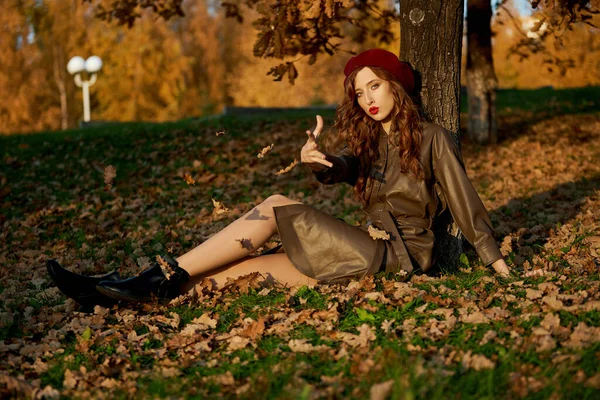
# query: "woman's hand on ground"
{"type": "Point", "coordinates": [310, 153]}
{"type": "Point", "coordinates": [501, 268]}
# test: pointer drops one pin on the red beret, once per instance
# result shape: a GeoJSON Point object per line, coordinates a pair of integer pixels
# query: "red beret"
{"type": "Point", "coordinates": [386, 60]}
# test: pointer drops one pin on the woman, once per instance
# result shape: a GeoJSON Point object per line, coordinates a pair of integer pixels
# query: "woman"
{"type": "Point", "coordinates": [405, 171]}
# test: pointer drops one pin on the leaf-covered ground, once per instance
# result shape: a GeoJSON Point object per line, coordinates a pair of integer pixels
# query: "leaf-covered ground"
{"type": "Point", "coordinates": [451, 334]}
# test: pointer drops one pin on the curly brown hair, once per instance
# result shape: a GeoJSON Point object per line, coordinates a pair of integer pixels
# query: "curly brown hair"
{"type": "Point", "coordinates": [360, 133]}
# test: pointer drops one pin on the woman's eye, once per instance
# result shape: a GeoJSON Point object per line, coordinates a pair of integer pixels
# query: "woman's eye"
{"type": "Point", "coordinates": [358, 94]}
{"type": "Point", "coordinates": [375, 86]}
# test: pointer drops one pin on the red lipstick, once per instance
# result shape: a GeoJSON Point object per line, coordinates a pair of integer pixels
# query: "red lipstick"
{"type": "Point", "coordinates": [374, 110]}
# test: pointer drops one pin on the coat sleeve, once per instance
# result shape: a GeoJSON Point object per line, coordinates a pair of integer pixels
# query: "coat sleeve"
{"type": "Point", "coordinates": [345, 169]}
{"type": "Point", "coordinates": [463, 201]}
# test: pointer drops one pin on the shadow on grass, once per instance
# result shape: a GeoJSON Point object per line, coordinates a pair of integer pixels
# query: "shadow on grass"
{"type": "Point", "coordinates": [563, 202]}
{"type": "Point", "coordinates": [518, 110]}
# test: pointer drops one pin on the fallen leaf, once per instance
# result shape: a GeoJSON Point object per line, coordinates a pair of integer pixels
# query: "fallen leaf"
{"type": "Point", "coordinates": [254, 329]}
{"type": "Point", "coordinates": [237, 343]}
{"type": "Point", "coordinates": [110, 173]}
{"type": "Point", "coordinates": [301, 346]}
{"type": "Point", "coordinates": [477, 362]}
{"type": "Point", "coordinates": [550, 322]}
{"type": "Point", "coordinates": [381, 391]}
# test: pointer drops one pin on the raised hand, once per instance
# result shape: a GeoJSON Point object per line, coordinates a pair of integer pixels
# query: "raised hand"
{"type": "Point", "coordinates": [310, 153]}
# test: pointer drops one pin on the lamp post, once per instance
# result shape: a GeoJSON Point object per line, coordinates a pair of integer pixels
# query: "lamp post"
{"type": "Point", "coordinates": [91, 66]}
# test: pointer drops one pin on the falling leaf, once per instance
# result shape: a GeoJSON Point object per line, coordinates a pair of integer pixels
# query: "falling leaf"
{"type": "Point", "coordinates": [220, 133]}
{"type": "Point", "coordinates": [110, 173]}
{"type": "Point", "coordinates": [219, 208]}
{"type": "Point", "coordinates": [377, 233]}
{"type": "Point", "coordinates": [288, 168]}
{"type": "Point", "coordinates": [188, 179]}
{"type": "Point", "coordinates": [265, 150]}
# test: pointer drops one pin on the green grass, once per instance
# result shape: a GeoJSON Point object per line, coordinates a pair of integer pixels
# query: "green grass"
{"type": "Point", "coordinates": [544, 100]}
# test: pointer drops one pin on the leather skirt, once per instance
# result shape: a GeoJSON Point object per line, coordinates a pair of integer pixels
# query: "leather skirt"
{"type": "Point", "coordinates": [327, 248]}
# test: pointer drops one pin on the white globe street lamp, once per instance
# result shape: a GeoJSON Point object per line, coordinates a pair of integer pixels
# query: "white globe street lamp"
{"type": "Point", "coordinates": [91, 66]}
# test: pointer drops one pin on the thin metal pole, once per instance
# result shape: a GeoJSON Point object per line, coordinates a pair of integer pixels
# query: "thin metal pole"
{"type": "Point", "coordinates": [86, 101]}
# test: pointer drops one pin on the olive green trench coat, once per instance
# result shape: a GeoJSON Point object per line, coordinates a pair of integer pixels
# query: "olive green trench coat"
{"type": "Point", "coordinates": [329, 249]}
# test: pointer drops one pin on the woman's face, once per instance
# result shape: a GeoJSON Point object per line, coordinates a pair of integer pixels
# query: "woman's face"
{"type": "Point", "coordinates": [374, 95]}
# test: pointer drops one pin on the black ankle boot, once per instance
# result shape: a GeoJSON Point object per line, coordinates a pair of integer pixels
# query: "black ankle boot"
{"type": "Point", "coordinates": [81, 288]}
{"type": "Point", "coordinates": [149, 285]}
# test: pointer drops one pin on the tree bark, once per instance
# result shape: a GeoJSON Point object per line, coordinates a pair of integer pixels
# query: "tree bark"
{"type": "Point", "coordinates": [59, 66]}
{"type": "Point", "coordinates": [481, 79]}
{"type": "Point", "coordinates": [431, 41]}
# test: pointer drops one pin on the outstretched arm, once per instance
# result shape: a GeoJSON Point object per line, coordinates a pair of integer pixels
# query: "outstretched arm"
{"type": "Point", "coordinates": [328, 169]}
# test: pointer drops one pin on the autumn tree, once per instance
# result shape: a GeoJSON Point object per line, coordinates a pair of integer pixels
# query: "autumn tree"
{"type": "Point", "coordinates": [554, 18]}
{"type": "Point", "coordinates": [481, 78]}
{"type": "Point", "coordinates": [26, 102]}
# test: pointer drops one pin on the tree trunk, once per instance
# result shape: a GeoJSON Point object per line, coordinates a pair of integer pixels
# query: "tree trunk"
{"type": "Point", "coordinates": [431, 41]}
{"type": "Point", "coordinates": [481, 79]}
{"type": "Point", "coordinates": [59, 67]}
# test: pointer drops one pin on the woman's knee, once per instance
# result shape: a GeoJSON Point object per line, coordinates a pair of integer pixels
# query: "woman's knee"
{"type": "Point", "coordinates": [278, 200]}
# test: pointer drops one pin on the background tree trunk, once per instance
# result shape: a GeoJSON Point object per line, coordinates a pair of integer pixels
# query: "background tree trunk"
{"type": "Point", "coordinates": [59, 78]}
{"type": "Point", "coordinates": [481, 79]}
{"type": "Point", "coordinates": [431, 41]}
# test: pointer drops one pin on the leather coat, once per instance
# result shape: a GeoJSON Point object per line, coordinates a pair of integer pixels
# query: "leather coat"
{"type": "Point", "coordinates": [406, 208]}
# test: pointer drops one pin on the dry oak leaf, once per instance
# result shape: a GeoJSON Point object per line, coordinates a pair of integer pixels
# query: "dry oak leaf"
{"type": "Point", "coordinates": [365, 335]}
{"type": "Point", "coordinates": [48, 392]}
{"type": "Point", "coordinates": [237, 343]}
{"type": "Point", "coordinates": [188, 179]}
{"type": "Point", "coordinates": [381, 391]}
{"type": "Point", "coordinates": [202, 323]}
{"type": "Point", "coordinates": [265, 150]}
{"type": "Point", "coordinates": [550, 322]}
{"type": "Point", "coordinates": [254, 329]}
{"type": "Point", "coordinates": [243, 283]}
{"type": "Point", "coordinates": [110, 173]}
{"type": "Point", "coordinates": [301, 346]}
{"type": "Point", "coordinates": [219, 208]}
{"type": "Point", "coordinates": [475, 318]}
{"type": "Point", "coordinates": [533, 294]}
{"type": "Point", "coordinates": [582, 336]}
{"type": "Point", "coordinates": [70, 380]}
{"type": "Point", "coordinates": [16, 386]}
{"type": "Point", "coordinates": [477, 362]}
{"type": "Point", "coordinates": [377, 233]}
{"type": "Point", "coordinates": [288, 168]}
